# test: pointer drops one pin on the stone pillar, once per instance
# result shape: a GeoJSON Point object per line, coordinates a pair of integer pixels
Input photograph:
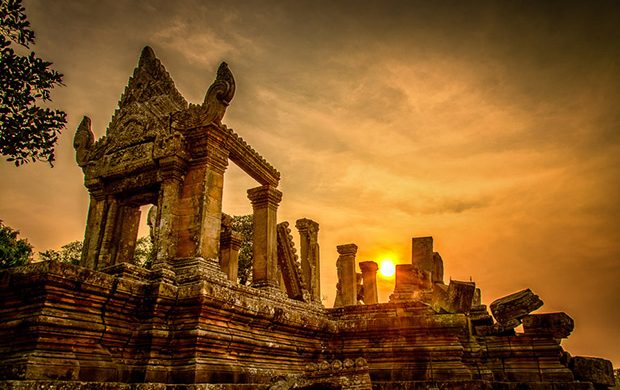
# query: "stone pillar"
{"type": "Point", "coordinates": [369, 276]}
{"type": "Point", "coordinates": [422, 253]}
{"type": "Point", "coordinates": [108, 239]}
{"type": "Point", "coordinates": [310, 263]}
{"type": "Point", "coordinates": [200, 206]}
{"type": "Point", "coordinates": [265, 200]}
{"type": "Point", "coordinates": [230, 242]}
{"type": "Point", "coordinates": [346, 289]}
{"type": "Point", "coordinates": [129, 221]}
{"type": "Point", "coordinates": [95, 225]}
{"type": "Point", "coordinates": [167, 217]}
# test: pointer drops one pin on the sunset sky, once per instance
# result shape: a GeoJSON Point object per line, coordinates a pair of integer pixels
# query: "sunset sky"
{"type": "Point", "coordinates": [492, 126]}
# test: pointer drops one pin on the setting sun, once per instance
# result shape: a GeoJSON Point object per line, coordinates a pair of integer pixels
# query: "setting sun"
{"type": "Point", "coordinates": [387, 268]}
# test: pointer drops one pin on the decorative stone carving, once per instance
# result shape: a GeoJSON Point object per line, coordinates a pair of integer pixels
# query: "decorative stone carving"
{"type": "Point", "coordinates": [310, 256]}
{"type": "Point", "coordinates": [219, 95]}
{"type": "Point", "coordinates": [289, 266]}
{"type": "Point", "coordinates": [83, 141]}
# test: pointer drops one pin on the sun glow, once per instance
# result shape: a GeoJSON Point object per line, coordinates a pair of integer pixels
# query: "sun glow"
{"type": "Point", "coordinates": [387, 268]}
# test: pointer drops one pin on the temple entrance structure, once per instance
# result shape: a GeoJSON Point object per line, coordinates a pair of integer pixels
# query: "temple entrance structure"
{"type": "Point", "coordinates": [160, 150]}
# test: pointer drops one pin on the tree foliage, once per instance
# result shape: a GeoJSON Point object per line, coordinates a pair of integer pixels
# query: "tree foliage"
{"type": "Point", "coordinates": [243, 225]}
{"type": "Point", "coordinates": [69, 253]}
{"type": "Point", "coordinates": [28, 132]}
{"type": "Point", "coordinates": [72, 252]}
{"type": "Point", "coordinates": [13, 251]}
{"type": "Point", "coordinates": [143, 254]}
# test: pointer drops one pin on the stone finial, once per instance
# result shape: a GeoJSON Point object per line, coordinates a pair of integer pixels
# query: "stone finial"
{"type": "Point", "coordinates": [220, 94]}
{"type": "Point", "coordinates": [83, 141]}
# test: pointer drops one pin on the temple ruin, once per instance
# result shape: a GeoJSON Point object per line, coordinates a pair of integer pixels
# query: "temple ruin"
{"type": "Point", "coordinates": [187, 323]}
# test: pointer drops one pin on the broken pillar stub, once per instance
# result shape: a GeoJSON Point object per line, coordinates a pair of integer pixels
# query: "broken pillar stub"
{"type": "Point", "coordinates": [557, 325]}
{"type": "Point", "coordinates": [456, 298]}
{"type": "Point", "coordinates": [346, 289]}
{"type": "Point", "coordinates": [422, 253]}
{"type": "Point", "coordinates": [410, 283]}
{"type": "Point", "coordinates": [265, 200]}
{"type": "Point", "coordinates": [369, 284]}
{"type": "Point", "coordinates": [598, 371]}
{"type": "Point", "coordinates": [437, 271]}
{"type": "Point", "coordinates": [310, 256]}
{"type": "Point", "coordinates": [509, 310]}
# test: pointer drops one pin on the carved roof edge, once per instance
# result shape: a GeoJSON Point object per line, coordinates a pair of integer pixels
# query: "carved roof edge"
{"type": "Point", "coordinates": [250, 161]}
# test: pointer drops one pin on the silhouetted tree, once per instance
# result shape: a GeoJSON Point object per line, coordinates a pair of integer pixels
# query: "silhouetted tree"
{"type": "Point", "coordinates": [13, 251]}
{"type": "Point", "coordinates": [27, 132]}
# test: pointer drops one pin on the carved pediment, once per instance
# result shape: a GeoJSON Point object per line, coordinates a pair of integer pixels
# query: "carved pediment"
{"type": "Point", "coordinates": [143, 110]}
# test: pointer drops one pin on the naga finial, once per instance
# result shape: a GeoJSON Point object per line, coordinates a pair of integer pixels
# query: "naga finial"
{"type": "Point", "coordinates": [220, 94]}
{"type": "Point", "coordinates": [83, 141]}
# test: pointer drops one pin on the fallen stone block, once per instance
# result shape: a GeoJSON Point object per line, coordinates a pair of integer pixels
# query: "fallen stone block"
{"type": "Point", "coordinates": [509, 310]}
{"type": "Point", "coordinates": [558, 325]}
{"type": "Point", "coordinates": [596, 370]}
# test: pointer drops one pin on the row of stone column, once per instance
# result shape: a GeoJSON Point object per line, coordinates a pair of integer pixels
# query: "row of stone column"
{"type": "Point", "coordinates": [265, 200]}
{"type": "Point", "coordinates": [352, 286]}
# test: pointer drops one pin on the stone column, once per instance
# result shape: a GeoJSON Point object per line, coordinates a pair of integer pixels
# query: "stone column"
{"type": "Point", "coordinates": [230, 242]}
{"type": "Point", "coordinates": [346, 290]}
{"type": "Point", "coordinates": [265, 200]}
{"type": "Point", "coordinates": [129, 220]}
{"type": "Point", "coordinates": [95, 225]}
{"type": "Point", "coordinates": [310, 262]}
{"type": "Point", "coordinates": [200, 206]}
{"type": "Point", "coordinates": [107, 237]}
{"type": "Point", "coordinates": [369, 276]}
{"type": "Point", "coordinates": [422, 253]}
{"type": "Point", "coordinates": [166, 220]}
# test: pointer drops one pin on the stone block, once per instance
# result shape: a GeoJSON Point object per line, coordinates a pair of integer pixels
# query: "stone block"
{"type": "Point", "coordinates": [457, 297]}
{"type": "Point", "coordinates": [596, 370]}
{"type": "Point", "coordinates": [558, 325]}
{"type": "Point", "coordinates": [509, 310]}
{"type": "Point", "coordinates": [422, 253]}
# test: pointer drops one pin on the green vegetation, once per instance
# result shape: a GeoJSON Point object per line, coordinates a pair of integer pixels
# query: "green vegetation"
{"type": "Point", "coordinates": [28, 132]}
